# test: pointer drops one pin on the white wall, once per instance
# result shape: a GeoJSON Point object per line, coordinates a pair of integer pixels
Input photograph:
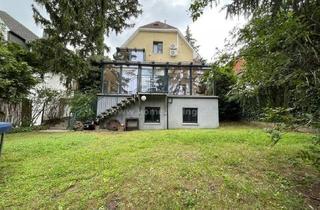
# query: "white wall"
{"type": "Point", "coordinates": [208, 112]}
{"type": "Point", "coordinates": [54, 82]}
{"type": "Point", "coordinates": [137, 111]}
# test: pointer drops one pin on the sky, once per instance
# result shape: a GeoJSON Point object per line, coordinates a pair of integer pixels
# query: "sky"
{"type": "Point", "coordinates": [210, 30]}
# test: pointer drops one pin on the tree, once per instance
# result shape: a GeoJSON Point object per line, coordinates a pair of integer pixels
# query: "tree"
{"type": "Point", "coordinates": [193, 42]}
{"type": "Point", "coordinates": [222, 78]}
{"type": "Point", "coordinates": [83, 24]}
{"type": "Point", "coordinates": [248, 7]}
{"type": "Point", "coordinates": [281, 48]}
{"type": "Point", "coordinates": [16, 76]}
{"type": "Point", "coordinates": [282, 65]}
{"type": "Point", "coordinates": [49, 55]}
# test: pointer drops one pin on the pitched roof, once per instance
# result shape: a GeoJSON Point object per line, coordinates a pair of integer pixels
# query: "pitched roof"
{"type": "Point", "coordinates": [17, 27]}
{"type": "Point", "coordinates": [158, 25]}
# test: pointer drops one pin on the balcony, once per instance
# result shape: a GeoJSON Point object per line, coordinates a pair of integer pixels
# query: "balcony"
{"type": "Point", "coordinates": [132, 78]}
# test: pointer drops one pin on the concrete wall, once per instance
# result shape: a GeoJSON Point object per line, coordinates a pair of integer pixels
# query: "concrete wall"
{"type": "Point", "coordinates": [137, 111]}
{"type": "Point", "coordinates": [208, 116]}
{"type": "Point", "coordinates": [107, 101]}
{"type": "Point", "coordinates": [208, 113]}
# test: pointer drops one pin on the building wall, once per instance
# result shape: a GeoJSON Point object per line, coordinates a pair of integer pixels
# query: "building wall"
{"type": "Point", "coordinates": [54, 82]}
{"type": "Point", "coordinates": [208, 114]}
{"type": "Point", "coordinates": [106, 102]}
{"type": "Point", "coordinates": [137, 111]}
{"type": "Point", "coordinates": [207, 111]}
{"type": "Point", "coordinates": [145, 39]}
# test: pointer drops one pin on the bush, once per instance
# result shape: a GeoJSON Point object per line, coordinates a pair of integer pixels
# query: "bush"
{"type": "Point", "coordinates": [28, 129]}
{"type": "Point", "coordinates": [223, 79]}
{"type": "Point", "coordinates": [278, 115]}
{"type": "Point", "coordinates": [83, 106]}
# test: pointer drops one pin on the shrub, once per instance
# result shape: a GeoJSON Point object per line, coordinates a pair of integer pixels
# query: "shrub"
{"type": "Point", "coordinates": [28, 129]}
{"type": "Point", "coordinates": [83, 106]}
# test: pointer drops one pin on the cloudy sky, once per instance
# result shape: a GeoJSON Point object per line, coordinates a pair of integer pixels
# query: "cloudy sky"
{"type": "Point", "coordinates": [210, 30]}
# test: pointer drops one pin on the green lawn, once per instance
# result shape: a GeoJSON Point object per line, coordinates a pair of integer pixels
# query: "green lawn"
{"type": "Point", "coordinates": [230, 167]}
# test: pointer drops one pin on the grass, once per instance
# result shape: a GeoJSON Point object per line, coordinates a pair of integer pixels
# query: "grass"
{"type": "Point", "coordinates": [226, 168]}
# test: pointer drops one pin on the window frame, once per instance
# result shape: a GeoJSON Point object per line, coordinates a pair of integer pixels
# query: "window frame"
{"type": "Point", "coordinates": [190, 120]}
{"type": "Point", "coordinates": [154, 120]}
{"type": "Point", "coordinates": [156, 43]}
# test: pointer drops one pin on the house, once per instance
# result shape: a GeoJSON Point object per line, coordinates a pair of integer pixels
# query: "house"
{"type": "Point", "coordinates": [154, 83]}
{"type": "Point", "coordinates": [17, 33]}
{"type": "Point", "coordinates": [239, 66]}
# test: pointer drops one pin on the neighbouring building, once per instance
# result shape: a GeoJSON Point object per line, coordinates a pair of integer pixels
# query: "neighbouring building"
{"type": "Point", "coordinates": [17, 33]}
{"type": "Point", "coordinates": [154, 83]}
{"type": "Point", "coordinates": [239, 66]}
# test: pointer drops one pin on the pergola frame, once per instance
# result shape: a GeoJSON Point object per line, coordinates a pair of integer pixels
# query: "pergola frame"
{"type": "Point", "coordinates": [191, 66]}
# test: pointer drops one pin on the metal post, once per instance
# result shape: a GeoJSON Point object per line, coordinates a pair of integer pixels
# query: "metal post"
{"type": "Point", "coordinates": [102, 77]}
{"type": "Point", "coordinates": [1, 143]}
{"type": "Point", "coordinates": [139, 79]}
{"type": "Point", "coordinates": [120, 81]}
{"type": "Point", "coordinates": [190, 78]}
{"type": "Point", "coordinates": [166, 78]}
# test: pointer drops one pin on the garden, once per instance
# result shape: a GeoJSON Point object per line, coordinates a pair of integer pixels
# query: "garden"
{"type": "Point", "coordinates": [234, 166]}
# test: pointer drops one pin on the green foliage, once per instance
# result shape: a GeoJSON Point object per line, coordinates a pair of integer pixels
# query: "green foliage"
{"type": "Point", "coordinates": [92, 79]}
{"type": "Point", "coordinates": [221, 78]}
{"type": "Point", "coordinates": [311, 153]}
{"type": "Point", "coordinates": [281, 47]}
{"type": "Point", "coordinates": [83, 24]}
{"type": "Point", "coordinates": [52, 56]}
{"type": "Point", "coordinates": [16, 75]}
{"type": "Point", "coordinates": [193, 42]}
{"type": "Point", "coordinates": [275, 133]}
{"type": "Point", "coordinates": [249, 7]}
{"type": "Point", "coordinates": [282, 65]}
{"type": "Point", "coordinates": [29, 129]}
{"type": "Point", "coordinates": [82, 106]}
{"type": "Point", "coordinates": [278, 115]}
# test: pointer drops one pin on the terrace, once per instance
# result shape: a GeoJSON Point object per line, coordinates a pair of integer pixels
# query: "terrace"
{"type": "Point", "coordinates": [142, 77]}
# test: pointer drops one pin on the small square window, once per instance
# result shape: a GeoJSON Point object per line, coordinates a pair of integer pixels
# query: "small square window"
{"type": "Point", "coordinates": [152, 115]}
{"type": "Point", "coordinates": [157, 47]}
{"type": "Point", "coordinates": [190, 115]}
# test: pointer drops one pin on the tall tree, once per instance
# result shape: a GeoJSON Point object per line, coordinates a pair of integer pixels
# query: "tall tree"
{"type": "Point", "coordinates": [247, 7]}
{"type": "Point", "coordinates": [52, 56]}
{"type": "Point", "coordinates": [84, 24]}
{"type": "Point", "coordinates": [193, 42]}
{"type": "Point", "coordinates": [16, 75]}
{"type": "Point", "coordinates": [282, 64]}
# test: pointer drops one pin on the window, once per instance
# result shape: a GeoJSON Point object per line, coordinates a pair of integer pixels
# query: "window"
{"type": "Point", "coordinates": [152, 115]}
{"type": "Point", "coordinates": [190, 115]}
{"type": "Point", "coordinates": [157, 47]}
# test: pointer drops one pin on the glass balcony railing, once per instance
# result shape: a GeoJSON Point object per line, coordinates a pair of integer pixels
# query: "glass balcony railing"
{"type": "Point", "coordinates": [154, 84]}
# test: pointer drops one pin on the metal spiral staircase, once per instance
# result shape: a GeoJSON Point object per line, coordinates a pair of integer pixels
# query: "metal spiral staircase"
{"type": "Point", "coordinates": [123, 104]}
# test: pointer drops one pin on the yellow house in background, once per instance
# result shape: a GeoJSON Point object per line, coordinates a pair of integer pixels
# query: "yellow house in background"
{"type": "Point", "coordinates": [154, 82]}
{"type": "Point", "coordinates": [161, 43]}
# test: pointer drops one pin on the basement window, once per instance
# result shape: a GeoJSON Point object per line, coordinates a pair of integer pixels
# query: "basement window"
{"type": "Point", "coordinates": [152, 115]}
{"type": "Point", "coordinates": [157, 47]}
{"type": "Point", "coordinates": [190, 115]}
